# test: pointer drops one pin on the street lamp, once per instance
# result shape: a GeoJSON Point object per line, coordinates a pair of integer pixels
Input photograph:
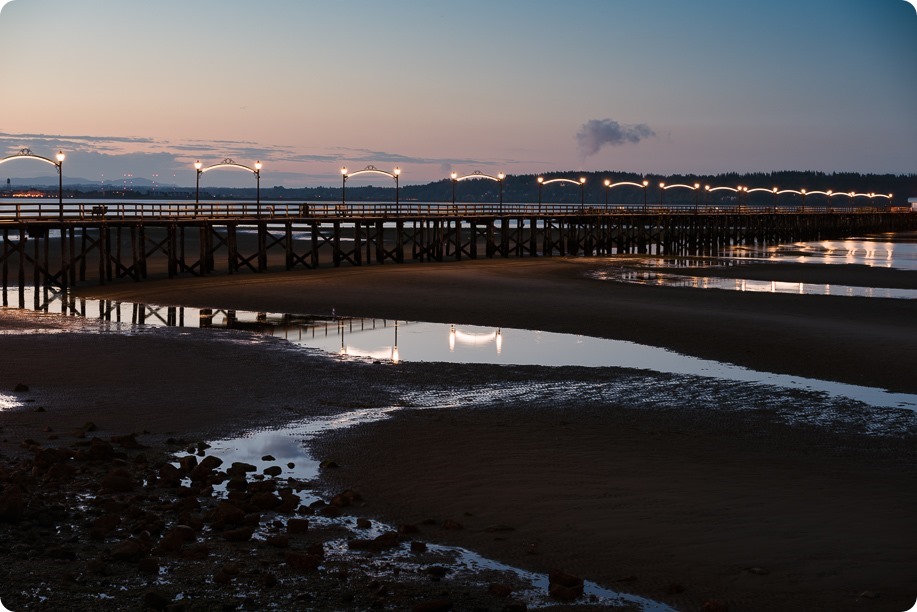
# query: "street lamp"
{"type": "Point", "coordinates": [803, 192]}
{"type": "Point", "coordinates": [582, 193]}
{"type": "Point", "coordinates": [501, 176]}
{"type": "Point", "coordinates": [343, 187]}
{"type": "Point", "coordinates": [60, 183]}
{"type": "Point", "coordinates": [696, 196]}
{"type": "Point", "coordinates": [661, 195]}
{"type": "Point", "coordinates": [540, 185]}
{"type": "Point", "coordinates": [453, 176]}
{"type": "Point", "coordinates": [607, 185]}
{"type": "Point", "coordinates": [397, 173]}
{"type": "Point", "coordinates": [646, 184]}
{"type": "Point", "coordinates": [197, 187]}
{"type": "Point", "coordinates": [258, 187]}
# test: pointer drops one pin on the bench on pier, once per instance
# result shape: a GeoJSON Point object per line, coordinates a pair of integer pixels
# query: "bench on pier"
{"type": "Point", "coordinates": [99, 210]}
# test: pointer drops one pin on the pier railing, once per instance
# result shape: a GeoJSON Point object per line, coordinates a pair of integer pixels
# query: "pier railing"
{"type": "Point", "coordinates": [74, 210]}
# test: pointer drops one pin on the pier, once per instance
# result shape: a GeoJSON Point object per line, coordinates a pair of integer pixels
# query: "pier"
{"type": "Point", "coordinates": [47, 246]}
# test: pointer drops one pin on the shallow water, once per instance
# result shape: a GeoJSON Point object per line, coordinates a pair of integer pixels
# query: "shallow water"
{"type": "Point", "coordinates": [665, 279]}
{"type": "Point", "coordinates": [402, 341]}
{"type": "Point", "coordinates": [894, 251]}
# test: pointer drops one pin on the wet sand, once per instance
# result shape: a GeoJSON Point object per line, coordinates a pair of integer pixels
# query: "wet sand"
{"type": "Point", "coordinates": [683, 503]}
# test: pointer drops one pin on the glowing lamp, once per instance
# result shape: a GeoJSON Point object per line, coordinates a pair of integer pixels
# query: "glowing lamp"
{"type": "Point", "coordinates": [344, 170]}
{"type": "Point", "coordinates": [60, 157]}
{"type": "Point", "coordinates": [258, 166]}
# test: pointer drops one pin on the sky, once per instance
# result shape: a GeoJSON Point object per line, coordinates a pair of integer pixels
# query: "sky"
{"type": "Point", "coordinates": [144, 88]}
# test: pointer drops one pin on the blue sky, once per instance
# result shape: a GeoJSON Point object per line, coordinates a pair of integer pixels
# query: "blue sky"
{"type": "Point", "coordinates": [654, 86]}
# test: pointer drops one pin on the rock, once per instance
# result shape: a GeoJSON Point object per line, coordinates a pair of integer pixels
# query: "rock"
{"type": "Point", "coordinates": [20, 388]}
{"type": "Point", "coordinates": [226, 513]}
{"type": "Point", "coordinates": [175, 539]}
{"type": "Point", "coordinates": [268, 458]}
{"type": "Point", "coordinates": [345, 498]}
{"type": "Point", "coordinates": [389, 539]}
{"type": "Point", "coordinates": [436, 571]}
{"type": "Point", "coordinates": [104, 525]}
{"type": "Point", "coordinates": [758, 571]}
{"type": "Point", "coordinates": [100, 450]}
{"type": "Point", "coordinates": [149, 565]}
{"type": "Point", "coordinates": [868, 595]}
{"type": "Point", "coordinates": [302, 563]}
{"type": "Point", "coordinates": [297, 525]}
{"type": "Point", "coordinates": [129, 550]}
{"type": "Point", "coordinates": [274, 470]}
{"type": "Point", "coordinates": [129, 441]}
{"type": "Point", "coordinates": [239, 468]}
{"type": "Point", "coordinates": [328, 464]}
{"type": "Point", "coordinates": [408, 529]}
{"type": "Point", "coordinates": [452, 525]}
{"type": "Point", "coordinates": [674, 589]}
{"type": "Point", "coordinates": [240, 534]}
{"type": "Point", "coordinates": [265, 501]}
{"type": "Point", "coordinates": [563, 586]}
{"type": "Point", "coordinates": [364, 523]}
{"type": "Point", "coordinates": [118, 480]}
{"type": "Point", "coordinates": [418, 547]}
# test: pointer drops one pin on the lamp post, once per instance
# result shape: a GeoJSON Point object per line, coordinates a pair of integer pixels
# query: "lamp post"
{"type": "Point", "coordinates": [258, 187]}
{"type": "Point", "coordinates": [582, 193]}
{"type": "Point", "coordinates": [197, 186]}
{"type": "Point", "coordinates": [453, 176]}
{"type": "Point", "coordinates": [661, 195]}
{"type": "Point", "coordinates": [540, 186]}
{"type": "Point", "coordinates": [60, 184]}
{"type": "Point", "coordinates": [397, 173]}
{"type": "Point", "coordinates": [696, 196]}
{"type": "Point", "coordinates": [607, 185]}
{"type": "Point", "coordinates": [501, 176]}
{"type": "Point", "coordinates": [646, 184]}
{"type": "Point", "coordinates": [343, 187]}
{"type": "Point", "coordinates": [775, 199]}
{"type": "Point", "coordinates": [803, 192]}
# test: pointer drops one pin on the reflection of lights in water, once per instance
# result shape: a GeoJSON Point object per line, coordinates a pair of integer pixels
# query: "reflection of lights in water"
{"type": "Point", "coordinates": [471, 339]}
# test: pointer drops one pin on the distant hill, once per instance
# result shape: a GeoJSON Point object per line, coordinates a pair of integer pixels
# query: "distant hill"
{"type": "Point", "coordinates": [523, 188]}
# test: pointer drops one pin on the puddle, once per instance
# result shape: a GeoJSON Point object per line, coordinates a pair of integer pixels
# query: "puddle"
{"type": "Point", "coordinates": [897, 251]}
{"type": "Point", "coordinates": [402, 341]}
{"type": "Point", "coordinates": [646, 277]}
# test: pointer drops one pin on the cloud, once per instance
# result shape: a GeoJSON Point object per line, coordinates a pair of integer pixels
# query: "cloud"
{"type": "Point", "coordinates": [596, 133]}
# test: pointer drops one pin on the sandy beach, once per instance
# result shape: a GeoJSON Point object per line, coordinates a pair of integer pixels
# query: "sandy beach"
{"type": "Point", "coordinates": [684, 491]}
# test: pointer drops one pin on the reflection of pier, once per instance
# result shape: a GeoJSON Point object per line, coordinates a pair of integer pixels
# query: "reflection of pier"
{"type": "Point", "coordinates": [147, 242]}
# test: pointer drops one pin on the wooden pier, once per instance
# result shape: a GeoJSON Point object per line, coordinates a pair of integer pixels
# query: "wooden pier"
{"type": "Point", "coordinates": [147, 241]}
